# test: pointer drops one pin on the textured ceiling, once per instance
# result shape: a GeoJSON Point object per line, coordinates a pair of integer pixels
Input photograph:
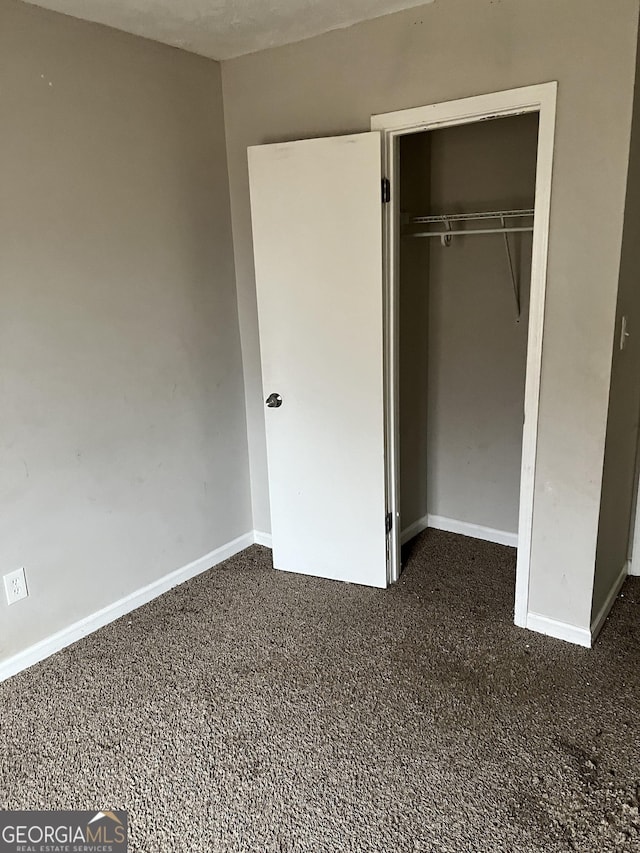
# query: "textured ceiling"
{"type": "Point", "coordinates": [222, 29]}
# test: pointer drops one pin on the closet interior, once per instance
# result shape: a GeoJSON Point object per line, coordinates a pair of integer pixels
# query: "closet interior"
{"type": "Point", "coordinates": [467, 212]}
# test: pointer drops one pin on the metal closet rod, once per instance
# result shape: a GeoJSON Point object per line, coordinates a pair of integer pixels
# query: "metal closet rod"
{"type": "Point", "coordinates": [482, 216]}
{"type": "Point", "coordinates": [470, 231]}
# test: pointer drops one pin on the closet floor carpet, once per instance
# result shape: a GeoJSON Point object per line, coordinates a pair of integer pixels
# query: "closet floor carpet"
{"type": "Point", "coordinates": [252, 710]}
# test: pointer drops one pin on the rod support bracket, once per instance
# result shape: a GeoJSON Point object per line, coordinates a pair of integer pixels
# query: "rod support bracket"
{"type": "Point", "coordinates": [445, 239]}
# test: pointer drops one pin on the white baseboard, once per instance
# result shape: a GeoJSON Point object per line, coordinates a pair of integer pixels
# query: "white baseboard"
{"type": "Point", "coordinates": [559, 630]}
{"type": "Point", "coordinates": [634, 566]}
{"type": "Point", "coordinates": [413, 529]}
{"type": "Point", "coordinates": [598, 622]}
{"type": "Point", "coordinates": [54, 643]}
{"type": "Point", "coordinates": [260, 538]}
{"type": "Point", "coordinates": [465, 528]}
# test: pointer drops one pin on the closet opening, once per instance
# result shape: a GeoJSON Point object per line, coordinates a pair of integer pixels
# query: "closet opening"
{"type": "Point", "coordinates": [466, 241]}
{"type": "Point", "coordinates": [467, 196]}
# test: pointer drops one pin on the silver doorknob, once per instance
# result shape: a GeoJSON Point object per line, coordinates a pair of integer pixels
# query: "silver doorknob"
{"type": "Point", "coordinates": [274, 401]}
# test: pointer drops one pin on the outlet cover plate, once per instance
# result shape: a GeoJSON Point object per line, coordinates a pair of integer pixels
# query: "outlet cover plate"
{"type": "Point", "coordinates": [15, 586]}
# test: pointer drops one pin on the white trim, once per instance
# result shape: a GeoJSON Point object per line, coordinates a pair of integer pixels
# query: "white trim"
{"type": "Point", "coordinates": [634, 538]}
{"type": "Point", "coordinates": [633, 550]}
{"type": "Point", "coordinates": [413, 529]}
{"type": "Point", "coordinates": [634, 541]}
{"type": "Point", "coordinates": [539, 98]}
{"type": "Point", "coordinates": [526, 99]}
{"type": "Point", "coordinates": [475, 531]}
{"type": "Point", "coordinates": [261, 538]}
{"type": "Point", "coordinates": [65, 637]}
{"type": "Point", "coordinates": [598, 622]}
{"type": "Point", "coordinates": [559, 630]}
{"type": "Point", "coordinates": [464, 528]}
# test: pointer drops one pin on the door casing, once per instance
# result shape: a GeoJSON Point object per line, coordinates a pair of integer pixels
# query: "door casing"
{"type": "Point", "coordinates": [542, 99]}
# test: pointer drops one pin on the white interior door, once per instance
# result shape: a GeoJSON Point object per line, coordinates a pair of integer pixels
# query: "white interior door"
{"type": "Point", "coordinates": [317, 234]}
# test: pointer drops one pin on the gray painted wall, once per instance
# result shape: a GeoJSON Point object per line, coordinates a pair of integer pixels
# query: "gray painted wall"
{"type": "Point", "coordinates": [469, 451]}
{"type": "Point", "coordinates": [620, 476]}
{"type": "Point", "coordinates": [123, 450]}
{"type": "Point", "coordinates": [334, 83]}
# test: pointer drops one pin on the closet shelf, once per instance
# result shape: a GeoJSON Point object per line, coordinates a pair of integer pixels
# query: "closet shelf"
{"type": "Point", "coordinates": [506, 226]}
{"type": "Point", "coordinates": [488, 216]}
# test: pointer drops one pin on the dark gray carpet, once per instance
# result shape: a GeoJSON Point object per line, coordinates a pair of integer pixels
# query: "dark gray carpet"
{"type": "Point", "coordinates": [250, 710]}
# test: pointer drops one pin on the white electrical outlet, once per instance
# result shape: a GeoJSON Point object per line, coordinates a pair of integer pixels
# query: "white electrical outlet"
{"type": "Point", "coordinates": [15, 586]}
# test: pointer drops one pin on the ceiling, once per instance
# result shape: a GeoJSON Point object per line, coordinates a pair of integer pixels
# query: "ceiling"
{"type": "Point", "coordinates": [222, 29]}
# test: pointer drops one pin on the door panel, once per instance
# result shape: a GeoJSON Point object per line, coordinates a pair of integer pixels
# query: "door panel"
{"type": "Point", "coordinates": [317, 233]}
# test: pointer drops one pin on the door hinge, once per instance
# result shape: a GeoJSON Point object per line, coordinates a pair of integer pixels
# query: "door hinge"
{"type": "Point", "coordinates": [388, 522]}
{"type": "Point", "coordinates": [386, 190]}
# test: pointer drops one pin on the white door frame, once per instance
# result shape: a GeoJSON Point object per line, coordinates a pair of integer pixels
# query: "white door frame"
{"type": "Point", "coordinates": [541, 99]}
{"type": "Point", "coordinates": [633, 551]}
